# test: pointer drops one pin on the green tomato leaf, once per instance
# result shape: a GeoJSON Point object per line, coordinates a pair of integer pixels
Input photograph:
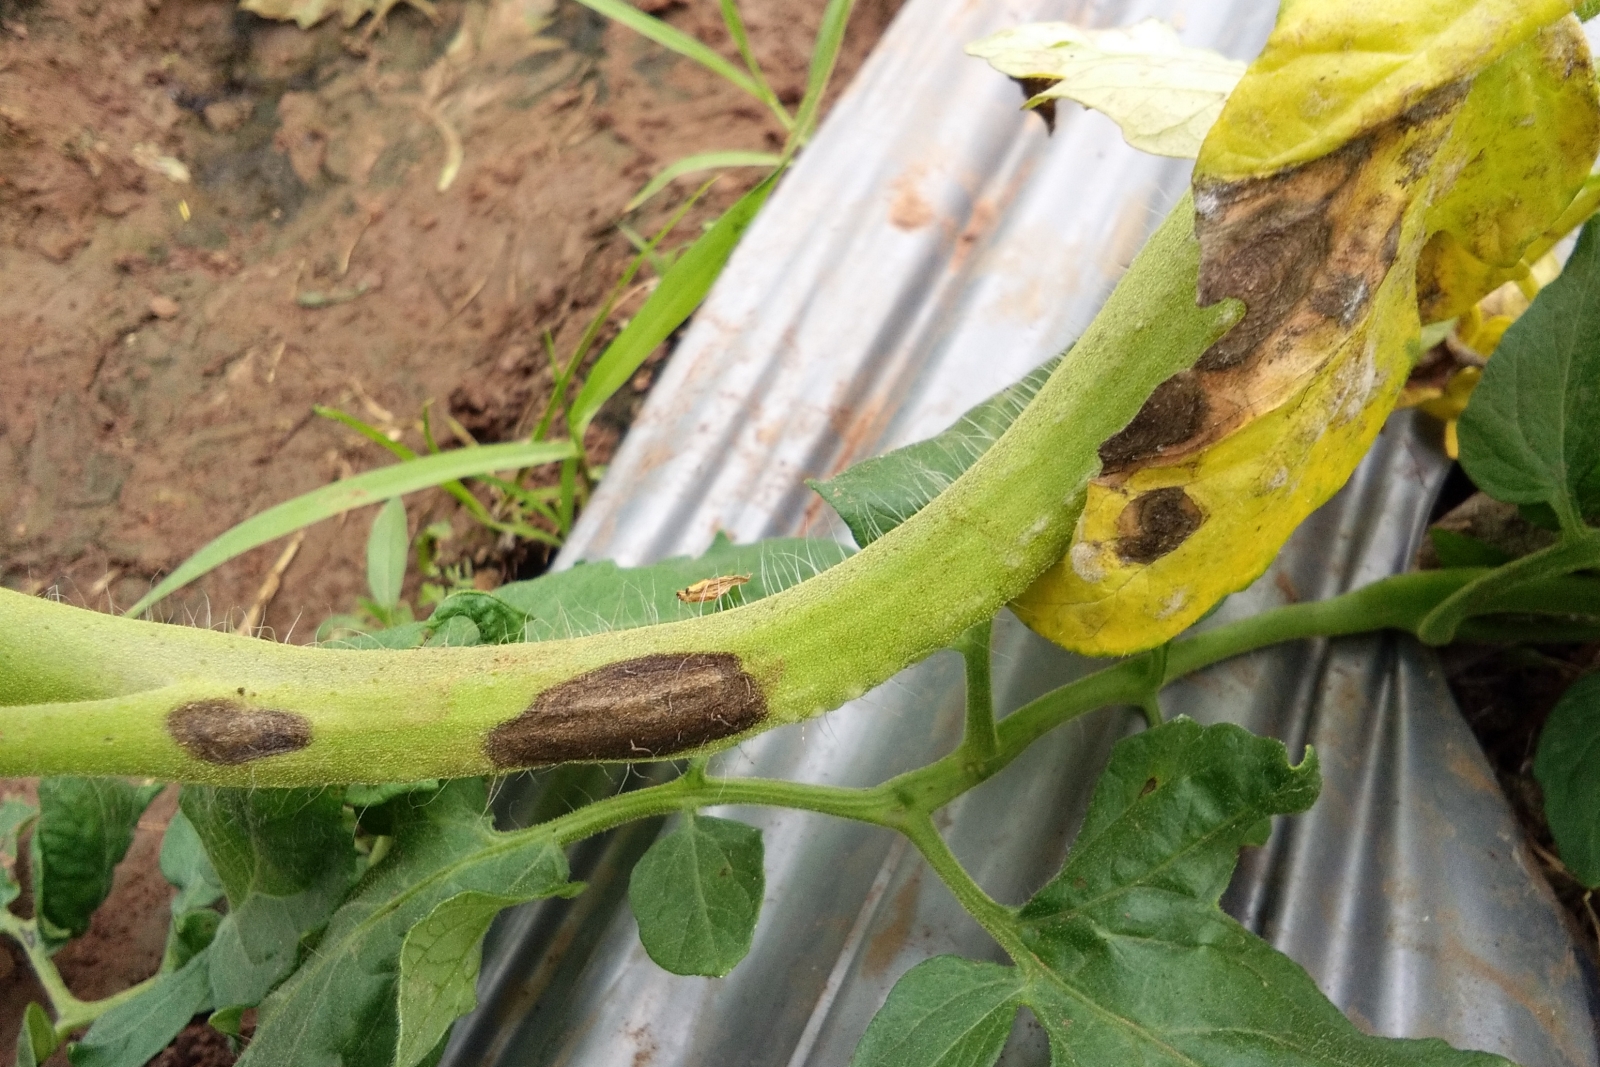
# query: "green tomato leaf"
{"type": "Point", "coordinates": [1463, 550]}
{"type": "Point", "coordinates": [439, 962]}
{"type": "Point", "coordinates": [37, 1038]}
{"type": "Point", "coordinates": [341, 1007]}
{"type": "Point", "coordinates": [1566, 767]}
{"type": "Point", "coordinates": [944, 1012]}
{"type": "Point", "coordinates": [387, 548]}
{"type": "Point", "coordinates": [184, 863]}
{"type": "Point", "coordinates": [285, 858]}
{"type": "Point", "coordinates": [697, 894]}
{"type": "Point", "coordinates": [1530, 434]}
{"type": "Point", "coordinates": [131, 1033]}
{"type": "Point", "coordinates": [1163, 94]}
{"type": "Point", "coordinates": [15, 814]}
{"type": "Point", "coordinates": [600, 597]}
{"type": "Point", "coordinates": [1139, 965]}
{"type": "Point", "coordinates": [876, 495]}
{"type": "Point", "coordinates": [370, 796]}
{"type": "Point", "coordinates": [85, 827]}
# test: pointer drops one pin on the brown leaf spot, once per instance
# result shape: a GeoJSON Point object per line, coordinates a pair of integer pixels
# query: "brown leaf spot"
{"type": "Point", "coordinates": [228, 732]}
{"type": "Point", "coordinates": [637, 709]}
{"type": "Point", "coordinates": [1174, 413]}
{"type": "Point", "coordinates": [1156, 523]}
{"type": "Point", "coordinates": [1267, 259]}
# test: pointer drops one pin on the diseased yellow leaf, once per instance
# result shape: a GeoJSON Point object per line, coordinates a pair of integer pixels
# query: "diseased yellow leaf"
{"type": "Point", "coordinates": [1162, 93]}
{"type": "Point", "coordinates": [1335, 69]}
{"type": "Point", "coordinates": [1199, 492]}
{"type": "Point", "coordinates": [1527, 138]}
{"type": "Point", "coordinates": [1357, 134]}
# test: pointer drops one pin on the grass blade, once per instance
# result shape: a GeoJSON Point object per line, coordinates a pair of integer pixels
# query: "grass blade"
{"type": "Point", "coordinates": [680, 292]}
{"type": "Point", "coordinates": [741, 40]}
{"type": "Point", "coordinates": [462, 494]}
{"type": "Point", "coordinates": [824, 56]}
{"type": "Point", "coordinates": [558, 392]}
{"type": "Point", "coordinates": [668, 37]}
{"type": "Point", "coordinates": [699, 162]}
{"type": "Point", "coordinates": [371, 487]}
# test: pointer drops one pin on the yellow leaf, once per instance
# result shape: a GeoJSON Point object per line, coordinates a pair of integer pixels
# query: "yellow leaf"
{"type": "Point", "coordinates": [1528, 135]}
{"type": "Point", "coordinates": [1208, 481]}
{"type": "Point", "coordinates": [1355, 136]}
{"type": "Point", "coordinates": [1163, 94]}
{"type": "Point", "coordinates": [1335, 69]}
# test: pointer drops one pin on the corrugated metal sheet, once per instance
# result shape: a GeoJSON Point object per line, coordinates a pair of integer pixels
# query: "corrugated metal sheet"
{"type": "Point", "coordinates": [931, 247]}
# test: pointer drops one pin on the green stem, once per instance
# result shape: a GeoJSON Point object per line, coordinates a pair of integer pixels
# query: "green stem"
{"type": "Point", "coordinates": [1577, 551]}
{"type": "Point", "coordinates": [67, 675]}
{"type": "Point", "coordinates": [997, 919]}
{"type": "Point", "coordinates": [70, 1012]}
{"type": "Point", "coordinates": [979, 741]}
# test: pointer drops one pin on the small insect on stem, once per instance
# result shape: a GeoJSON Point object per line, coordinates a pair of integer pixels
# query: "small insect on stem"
{"type": "Point", "coordinates": [708, 589]}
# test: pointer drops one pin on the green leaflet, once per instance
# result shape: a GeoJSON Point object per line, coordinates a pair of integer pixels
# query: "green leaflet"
{"type": "Point", "coordinates": [134, 1031]}
{"type": "Point", "coordinates": [285, 858]}
{"type": "Point", "coordinates": [697, 895]}
{"type": "Point", "coordinates": [1569, 753]}
{"type": "Point", "coordinates": [439, 963]}
{"type": "Point", "coordinates": [600, 597]}
{"type": "Point", "coordinates": [36, 1039]}
{"type": "Point", "coordinates": [944, 1012]}
{"type": "Point", "coordinates": [876, 495]}
{"type": "Point", "coordinates": [341, 1007]}
{"type": "Point", "coordinates": [185, 864]}
{"type": "Point", "coordinates": [387, 546]}
{"type": "Point", "coordinates": [85, 827]}
{"type": "Point", "coordinates": [1530, 434]}
{"type": "Point", "coordinates": [1129, 958]}
{"type": "Point", "coordinates": [1334, 69]}
{"type": "Point", "coordinates": [15, 814]}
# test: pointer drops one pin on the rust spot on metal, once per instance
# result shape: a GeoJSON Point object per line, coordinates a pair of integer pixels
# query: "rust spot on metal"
{"type": "Point", "coordinates": [228, 732]}
{"type": "Point", "coordinates": [637, 709]}
{"type": "Point", "coordinates": [1175, 412]}
{"type": "Point", "coordinates": [1156, 523]}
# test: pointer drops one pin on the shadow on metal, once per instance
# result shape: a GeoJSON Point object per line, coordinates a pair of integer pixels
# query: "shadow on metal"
{"type": "Point", "coordinates": [931, 247]}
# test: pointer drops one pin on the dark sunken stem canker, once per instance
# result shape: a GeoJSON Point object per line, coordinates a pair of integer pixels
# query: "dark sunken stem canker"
{"type": "Point", "coordinates": [637, 709]}
{"type": "Point", "coordinates": [227, 732]}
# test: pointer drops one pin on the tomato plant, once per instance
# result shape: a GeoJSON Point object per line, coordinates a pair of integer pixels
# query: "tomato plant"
{"type": "Point", "coordinates": [1373, 172]}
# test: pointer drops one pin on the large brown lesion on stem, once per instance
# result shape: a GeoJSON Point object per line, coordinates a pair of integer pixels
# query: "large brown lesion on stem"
{"type": "Point", "coordinates": [640, 708]}
{"type": "Point", "coordinates": [229, 732]}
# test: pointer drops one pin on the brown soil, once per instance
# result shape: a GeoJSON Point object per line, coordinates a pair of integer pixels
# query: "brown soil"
{"type": "Point", "coordinates": [159, 360]}
{"type": "Point", "coordinates": [159, 363]}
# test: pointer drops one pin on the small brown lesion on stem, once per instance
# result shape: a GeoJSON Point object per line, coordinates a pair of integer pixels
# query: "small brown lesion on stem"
{"type": "Point", "coordinates": [641, 708]}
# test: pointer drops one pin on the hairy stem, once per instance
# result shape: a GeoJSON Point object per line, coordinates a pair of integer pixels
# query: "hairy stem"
{"type": "Point", "coordinates": [979, 741]}
{"type": "Point", "coordinates": [283, 715]}
{"type": "Point", "coordinates": [70, 1012]}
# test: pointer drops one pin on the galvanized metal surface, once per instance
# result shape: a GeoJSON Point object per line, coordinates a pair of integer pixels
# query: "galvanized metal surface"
{"type": "Point", "coordinates": [931, 247]}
